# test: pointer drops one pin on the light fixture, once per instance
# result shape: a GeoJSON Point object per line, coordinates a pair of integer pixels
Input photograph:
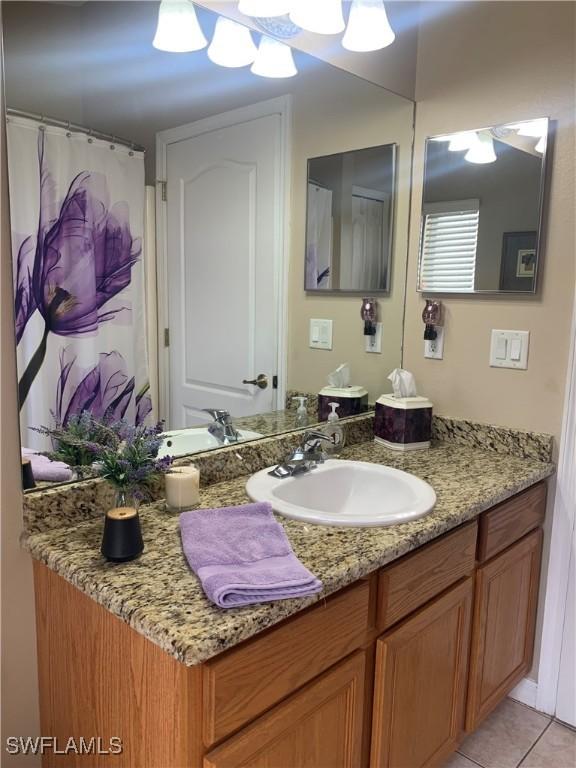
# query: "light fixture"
{"type": "Point", "coordinates": [264, 8]}
{"type": "Point", "coordinates": [541, 146]}
{"type": "Point", "coordinates": [274, 59]}
{"type": "Point", "coordinates": [232, 44]}
{"type": "Point", "coordinates": [481, 150]}
{"type": "Point", "coordinates": [533, 128]}
{"type": "Point", "coordinates": [178, 30]}
{"type": "Point", "coordinates": [461, 141]}
{"type": "Point", "coordinates": [368, 27]}
{"type": "Point", "coordinates": [324, 17]}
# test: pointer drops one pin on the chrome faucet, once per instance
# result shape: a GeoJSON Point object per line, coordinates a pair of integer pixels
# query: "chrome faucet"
{"type": "Point", "coordinates": [304, 458]}
{"type": "Point", "coordinates": [222, 428]}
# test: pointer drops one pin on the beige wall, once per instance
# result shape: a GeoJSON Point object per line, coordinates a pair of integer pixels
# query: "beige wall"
{"type": "Point", "coordinates": [19, 681]}
{"type": "Point", "coordinates": [481, 64]}
{"type": "Point", "coordinates": [344, 115]}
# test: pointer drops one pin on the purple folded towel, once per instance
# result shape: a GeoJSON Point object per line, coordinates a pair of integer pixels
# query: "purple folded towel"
{"type": "Point", "coordinates": [45, 470]}
{"type": "Point", "coordinates": [242, 556]}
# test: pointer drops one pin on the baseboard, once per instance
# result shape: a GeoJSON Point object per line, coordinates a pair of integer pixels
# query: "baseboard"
{"type": "Point", "coordinates": [525, 692]}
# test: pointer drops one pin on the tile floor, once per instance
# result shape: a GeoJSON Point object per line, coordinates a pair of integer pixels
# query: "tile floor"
{"type": "Point", "coordinates": [515, 736]}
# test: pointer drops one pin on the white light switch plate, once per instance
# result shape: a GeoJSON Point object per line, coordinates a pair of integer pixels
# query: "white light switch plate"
{"type": "Point", "coordinates": [321, 334]}
{"type": "Point", "coordinates": [435, 349]}
{"type": "Point", "coordinates": [374, 343]}
{"type": "Point", "coordinates": [509, 349]}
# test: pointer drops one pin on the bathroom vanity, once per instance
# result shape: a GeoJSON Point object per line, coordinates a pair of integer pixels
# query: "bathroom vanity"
{"type": "Point", "coordinates": [426, 627]}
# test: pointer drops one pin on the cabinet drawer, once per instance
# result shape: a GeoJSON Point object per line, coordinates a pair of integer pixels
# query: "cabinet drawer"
{"type": "Point", "coordinates": [510, 521]}
{"type": "Point", "coordinates": [421, 575]}
{"type": "Point", "coordinates": [243, 683]}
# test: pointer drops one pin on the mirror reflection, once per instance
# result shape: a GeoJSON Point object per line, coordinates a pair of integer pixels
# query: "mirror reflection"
{"type": "Point", "coordinates": [158, 212]}
{"type": "Point", "coordinates": [349, 220]}
{"type": "Point", "coordinates": [482, 210]}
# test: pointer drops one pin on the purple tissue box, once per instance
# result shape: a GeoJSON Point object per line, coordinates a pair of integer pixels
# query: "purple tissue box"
{"type": "Point", "coordinates": [403, 423]}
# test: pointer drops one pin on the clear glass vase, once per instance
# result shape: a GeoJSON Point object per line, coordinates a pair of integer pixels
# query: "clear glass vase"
{"type": "Point", "coordinates": [125, 498]}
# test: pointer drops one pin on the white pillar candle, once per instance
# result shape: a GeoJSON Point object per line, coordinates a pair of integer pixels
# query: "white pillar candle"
{"type": "Point", "coordinates": [183, 487]}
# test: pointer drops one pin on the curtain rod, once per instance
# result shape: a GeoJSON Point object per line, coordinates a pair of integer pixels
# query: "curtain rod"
{"type": "Point", "coordinates": [75, 127]}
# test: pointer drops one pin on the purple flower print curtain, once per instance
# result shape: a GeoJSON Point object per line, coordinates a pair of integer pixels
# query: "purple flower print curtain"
{"type": "Point", "coordinates": [77, 213]}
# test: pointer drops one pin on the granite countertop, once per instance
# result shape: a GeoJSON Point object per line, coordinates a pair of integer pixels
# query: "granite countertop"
{"type": "Point", "coordinates": [162, 599]}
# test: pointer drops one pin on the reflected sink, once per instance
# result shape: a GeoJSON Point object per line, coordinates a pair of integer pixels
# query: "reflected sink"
{"type": "Point", "coordinates": [194, 440]}
{"type": "Point", "coordinates": [347, 493]}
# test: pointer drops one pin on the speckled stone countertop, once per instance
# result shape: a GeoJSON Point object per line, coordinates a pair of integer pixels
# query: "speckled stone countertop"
{"type": "Point", "coordinates": [162, 599]}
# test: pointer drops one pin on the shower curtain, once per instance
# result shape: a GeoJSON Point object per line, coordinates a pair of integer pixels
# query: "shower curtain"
{"type": "Point", "coordinates": [77, 215]}
{"type": "Point", "coordinates": [319, 238]}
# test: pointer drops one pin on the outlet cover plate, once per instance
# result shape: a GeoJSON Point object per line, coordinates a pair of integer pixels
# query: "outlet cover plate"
{"type": "Point", "coordinates": [374, 343]}
{"type": "Point", "coordinates": [434, 350]}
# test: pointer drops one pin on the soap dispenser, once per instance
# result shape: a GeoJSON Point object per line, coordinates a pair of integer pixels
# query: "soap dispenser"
{"type": "Point", "coordinates": [335, 430]}
{"type": "Point", "coordinates": [302, 411]}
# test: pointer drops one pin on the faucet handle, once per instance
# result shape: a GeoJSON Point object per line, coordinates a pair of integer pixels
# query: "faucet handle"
{"type": "Point", "coordinates": [218, 414]}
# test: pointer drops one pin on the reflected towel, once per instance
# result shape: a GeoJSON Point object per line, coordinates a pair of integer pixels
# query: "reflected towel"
{"type": "Point", "coordinates": [242, 556]}
{"type": "Point", "coordinates": [45, 470]}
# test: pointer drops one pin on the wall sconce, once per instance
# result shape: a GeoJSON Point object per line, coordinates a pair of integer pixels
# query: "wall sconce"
{"type": "Point", "coordinates": [369, 313]}
{"type": "Point", "coordinates": [432, 317]}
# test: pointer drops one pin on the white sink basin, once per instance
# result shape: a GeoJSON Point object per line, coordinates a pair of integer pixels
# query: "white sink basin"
{"type": "Point", "coordinates": [194, 440]}
{"type": "Point", "coordinates": [351, 493]}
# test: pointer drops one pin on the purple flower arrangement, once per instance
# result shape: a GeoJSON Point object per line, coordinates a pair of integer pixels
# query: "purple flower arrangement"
{"type": "Point", "coordinates": [126, 456]}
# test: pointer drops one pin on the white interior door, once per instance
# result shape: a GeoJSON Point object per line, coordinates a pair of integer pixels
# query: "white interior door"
{"type": "Point", "coordinates": [224, 243]}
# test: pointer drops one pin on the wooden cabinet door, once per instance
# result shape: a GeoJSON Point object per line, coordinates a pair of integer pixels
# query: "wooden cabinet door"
{"type": "Point", "coordinates": [318, 727]}
{"type": "Point", "coordinates": [504, 623]}
{"type": "Point", "coordinates": [420, 684]}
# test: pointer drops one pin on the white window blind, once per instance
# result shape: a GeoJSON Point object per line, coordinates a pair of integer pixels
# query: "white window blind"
{"type": "Point", "coordinates": [449, 242]}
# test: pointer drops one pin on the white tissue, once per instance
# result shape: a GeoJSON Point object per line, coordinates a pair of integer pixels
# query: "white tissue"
{"type": "Point", "coordinates": [340, 378]}
{"type": "Point", "coordinates": [403, 383]}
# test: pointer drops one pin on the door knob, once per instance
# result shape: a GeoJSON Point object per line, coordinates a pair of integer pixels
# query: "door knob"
{"type": "Point", "coordinates": [261, 381]}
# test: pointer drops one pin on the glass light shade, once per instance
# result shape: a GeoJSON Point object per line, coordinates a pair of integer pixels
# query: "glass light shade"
{"type": "Point", "coordinates": [232, 44]}
{"type": "Point", "coordinates": [533, 128]}
{"type": "Point", "coordinates": [368, 27]}
{"type": "Point", "coordinates": [324, 17]}
{"type": "Point", "coordinates": [481, 150]}
{"type": "Point", "coordinates": [274, 59]}
{"type": "Point", "coordinates": [264, 8]}
{"type": "Point", "coordinates": [461, 141]}
{"type": "Point", "coordinates": [541, 146]}
{"type": "Point", "coordinates": [178, 30]}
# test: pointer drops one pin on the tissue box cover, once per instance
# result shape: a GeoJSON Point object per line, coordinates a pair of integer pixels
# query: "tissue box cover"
{"type": "Point", "coordinates": [351, 401]}
{"type": "Point", "coordinates": [403, 423]}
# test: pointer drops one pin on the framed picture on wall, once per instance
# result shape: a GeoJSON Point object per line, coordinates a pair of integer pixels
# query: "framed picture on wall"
{"type": "Point", "coordinates": [518, 264]}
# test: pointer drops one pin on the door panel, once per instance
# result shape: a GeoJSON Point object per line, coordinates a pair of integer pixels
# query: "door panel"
{"type": "Point", "coordinates": [504, 624]}
{"type": "Point", "coordinates": [420, 684]}
{"type": "Point", "coordinates": [224, 216]}
{"type": "Point", "coordinates": [318, 727]}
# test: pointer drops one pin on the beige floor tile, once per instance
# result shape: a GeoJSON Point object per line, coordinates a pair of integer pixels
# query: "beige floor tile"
{"type": "Point", "coordinates": [459, 761]}
{"type": "Point", "coordinates": [556, 749]}
{"type": "Point", "coordinates": [505, 736]}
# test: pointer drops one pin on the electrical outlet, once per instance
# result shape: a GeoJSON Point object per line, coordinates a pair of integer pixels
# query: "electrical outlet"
{"type": "Point", "coordinates": [435, 349]}
{"type": "Point", "coordinates": [374, 343]}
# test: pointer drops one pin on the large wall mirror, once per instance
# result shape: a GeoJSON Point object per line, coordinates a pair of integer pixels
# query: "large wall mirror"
{"type": "Point", "coordinates": [349, 219]}
{"type": "Point", "coordinates": [158, 208]}
{"type": "Point", "coordinates": [482, 210]}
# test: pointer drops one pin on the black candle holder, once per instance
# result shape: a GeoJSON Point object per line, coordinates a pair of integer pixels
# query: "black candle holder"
{"type": "Point", "coordinates": [122, 539]}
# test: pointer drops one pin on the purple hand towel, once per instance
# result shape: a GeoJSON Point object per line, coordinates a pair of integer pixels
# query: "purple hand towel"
{"type": "Point", "coordinates": [45, 470]}
{"type": "Point", "coordinates": [242, 556]}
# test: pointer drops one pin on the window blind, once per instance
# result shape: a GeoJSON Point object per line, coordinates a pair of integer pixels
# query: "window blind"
{"type": "Point", "coordinates": [449, 242]}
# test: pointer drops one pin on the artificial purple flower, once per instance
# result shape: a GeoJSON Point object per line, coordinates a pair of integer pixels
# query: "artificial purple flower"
{"type": "Point", "coordinates": [105, 390]}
